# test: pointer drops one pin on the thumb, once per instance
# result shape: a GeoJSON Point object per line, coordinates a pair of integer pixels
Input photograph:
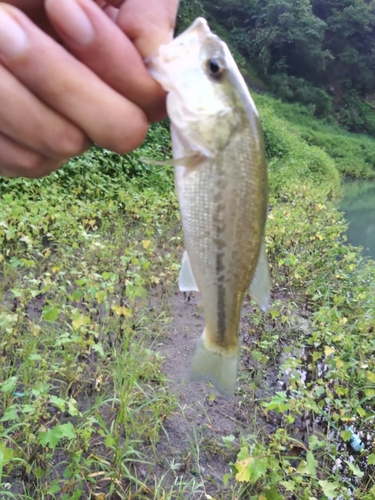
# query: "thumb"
{"type": "Point", "coordinates": [148, 23]}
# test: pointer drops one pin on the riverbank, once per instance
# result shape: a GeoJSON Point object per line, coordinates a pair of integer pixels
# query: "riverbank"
{"type": "Point", "coordinates": [91, 324]}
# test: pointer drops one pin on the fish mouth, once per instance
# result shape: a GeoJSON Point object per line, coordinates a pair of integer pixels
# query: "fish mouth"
{"type": "Point", "coordinates": [198, 28]}
{"type": "Point", "coordinates": [184, 43]}
{"type": "Point", "coordinates": [185, 47]}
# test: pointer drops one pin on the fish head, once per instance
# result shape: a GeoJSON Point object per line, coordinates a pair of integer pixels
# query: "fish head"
{"type": "Point", "coordinates": [206, 91]}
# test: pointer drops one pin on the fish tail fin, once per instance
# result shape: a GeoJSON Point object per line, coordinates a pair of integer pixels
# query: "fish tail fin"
{"type": "Point", "coordinates": [216, 364]}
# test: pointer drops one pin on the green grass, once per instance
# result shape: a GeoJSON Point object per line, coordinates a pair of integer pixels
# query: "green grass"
{"type": "Point", "coordinates": [83, 398]}
{"type": "Point", "coordinates": [353, 154]}
{"type": "Point", "coordinates": [88, 259]}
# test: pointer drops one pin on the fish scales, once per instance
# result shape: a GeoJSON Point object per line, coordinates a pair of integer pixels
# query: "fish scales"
{"type": "Point", "coordinates": [223, 212]}
{"type": "Point", "coordinates": [222, 189]}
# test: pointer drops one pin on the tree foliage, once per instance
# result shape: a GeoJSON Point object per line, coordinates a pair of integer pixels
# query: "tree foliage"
{"type": "Point", "coordinates": [319, 52]}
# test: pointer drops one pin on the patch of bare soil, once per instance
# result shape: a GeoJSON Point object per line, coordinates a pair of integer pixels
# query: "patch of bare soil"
{"type": "Point", "coordinates": [194, 434]}
{"type": "Point", "coordinates": [193, 446]}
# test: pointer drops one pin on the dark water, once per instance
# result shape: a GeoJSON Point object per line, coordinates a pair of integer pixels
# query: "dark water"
{"type": "Point", "coordinates": [359, 206]}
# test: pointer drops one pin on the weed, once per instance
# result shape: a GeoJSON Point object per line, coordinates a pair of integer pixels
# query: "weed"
{"type": "Point", "coordinates": [89, 258]}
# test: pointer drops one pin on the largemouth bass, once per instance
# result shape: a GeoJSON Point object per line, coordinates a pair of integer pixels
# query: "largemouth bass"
{"type": "Point", "coordinates": [222, 189]}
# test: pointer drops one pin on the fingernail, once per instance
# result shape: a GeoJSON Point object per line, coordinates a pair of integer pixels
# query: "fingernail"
{"type": "Point", "coordinates": [13, 40]}
{"type": "Point", "coordinates": [72, 20]}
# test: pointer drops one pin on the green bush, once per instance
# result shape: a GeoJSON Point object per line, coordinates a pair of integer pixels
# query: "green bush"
{"type": "Point", "coordinates": [353, 154]}
{"type": "Point", "coordinates": [355, 115]}
{"type": "Point", "coordinates": [293, 89]}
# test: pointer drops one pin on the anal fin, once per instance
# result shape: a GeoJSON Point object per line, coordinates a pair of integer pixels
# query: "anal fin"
{"type": "Point", "coordinates": [186, 280]}
{"type": "Point", "coordinates": [260, 287]}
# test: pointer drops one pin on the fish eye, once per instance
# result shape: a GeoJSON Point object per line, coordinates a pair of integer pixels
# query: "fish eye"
{"type": "Point", "coordinates": [215, 70]}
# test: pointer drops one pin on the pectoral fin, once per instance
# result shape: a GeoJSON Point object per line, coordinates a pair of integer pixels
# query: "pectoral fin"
{"type": "Point", "coordinates": [191, 161]}
{"type": "Point", "coordinates": [186, 280]}
{"type": "Point", "coordinates": [260, 288]}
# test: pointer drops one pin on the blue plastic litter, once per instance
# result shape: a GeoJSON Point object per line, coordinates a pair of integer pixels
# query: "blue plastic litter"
{"type": "Point", "coordinates": [355, 441]}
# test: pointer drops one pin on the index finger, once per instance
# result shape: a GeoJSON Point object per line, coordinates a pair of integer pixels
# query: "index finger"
{"type": "Point", "coordinates": [69, 87]}
{"type": "Point", "coordinates": [110, 53]}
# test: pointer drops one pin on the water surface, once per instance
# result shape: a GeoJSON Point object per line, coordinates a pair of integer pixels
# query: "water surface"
{"type": "Point", "coordinates": [359, 207]}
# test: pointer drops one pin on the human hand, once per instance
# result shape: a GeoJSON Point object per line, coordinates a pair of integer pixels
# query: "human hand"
{"type": "Point", "coordinates": [55, 101]}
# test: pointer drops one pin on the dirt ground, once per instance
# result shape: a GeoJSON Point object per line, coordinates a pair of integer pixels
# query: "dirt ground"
{"type": "Point", "coordinates": [194, 433]}
{"type": "Point", "coordinates": [191, 451]}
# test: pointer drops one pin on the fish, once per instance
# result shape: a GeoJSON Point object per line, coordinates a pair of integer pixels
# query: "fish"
{"type": "Point", "coordinates": [222, 188]}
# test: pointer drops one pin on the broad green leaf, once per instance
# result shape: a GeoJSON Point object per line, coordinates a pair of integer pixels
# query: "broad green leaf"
{"type": "Point", "coordinates": [67, 474]}
{"type": "Point", "coordinates": [251, 469]}
{"type": "Point", "coordinates": [68, 430]}
{"type": "Point", "coordinates": [288, 485]}
{"type": "Point", "coordinates": [77, 495]}
{"type": "Point", "coordinates": [328, 350]}
{"type": "Point", "coordinates": [278, 403]}
{"type": "Point", "coordinates": [100, 296]}
{"type": "Point", "coordinates": [59, 402]}
{"type": "Point", "coordinates": [243, 474]}
{"type": "Point", "coordinates": [243, 454]}
{"type": "Point", "coordinates": [10, 414]}
{"type": "Point", "coordinates": [354, 469]}
{"type": "Point", "coordinates": [41, 388]}
{"type": "Point", "coordinates": [226, 478]}
{"type": "Point", "coordinates": [50, 313]}
{"type": "Point", "coordinates": [257, 468]}
{"type": "Point", "coordinates": [7, 320]}
{"type": "Point", "coordinates": [76, 295]}
{"type": "Point", "coordinates": [122, 311]}
{"type": "Point", "coordinates": [99, 349]}
{"type": "Point", "coordinates": [315, 443]}
{"type": "Point", "coordinates": [73, 407]}
{"type": "Point", "coordinates": [9, 385]}
{"type": "Point", "coordinates": [54, 488]}
{"type": "Point", "coordinates": [371, 459]}
{"type": "Point", "coordinates": [303, 468]}
{"type": "Point", "coordinates": [6, 454]}
{"type": "Point", "coordinates": [109, 440]}
{"type": "Point", "coordinates": [329, 488]}
{"type": "Point", "coordinates": [311, 463]}
{"type": "Point", "coordinates": [79, 319]}
{"type": "Point", "coordinates": [272, 493]}
{"type": "Point", "coordinates": [35, 357]}
{"type": "Point", "coordinates": [228, 440]}
{"type": "Point", "coordinates": [361, 412]}
{"type": "Point", "coordinates": [346, 435]}
{"type": "Point", "coordinates": [274, 313]}
{"type": "Point", "coordinates": [27, 408]}
{"type": "Point", "coordinates": [39, 472]}
{"type": "Point", "coordinates": [50, 437]}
